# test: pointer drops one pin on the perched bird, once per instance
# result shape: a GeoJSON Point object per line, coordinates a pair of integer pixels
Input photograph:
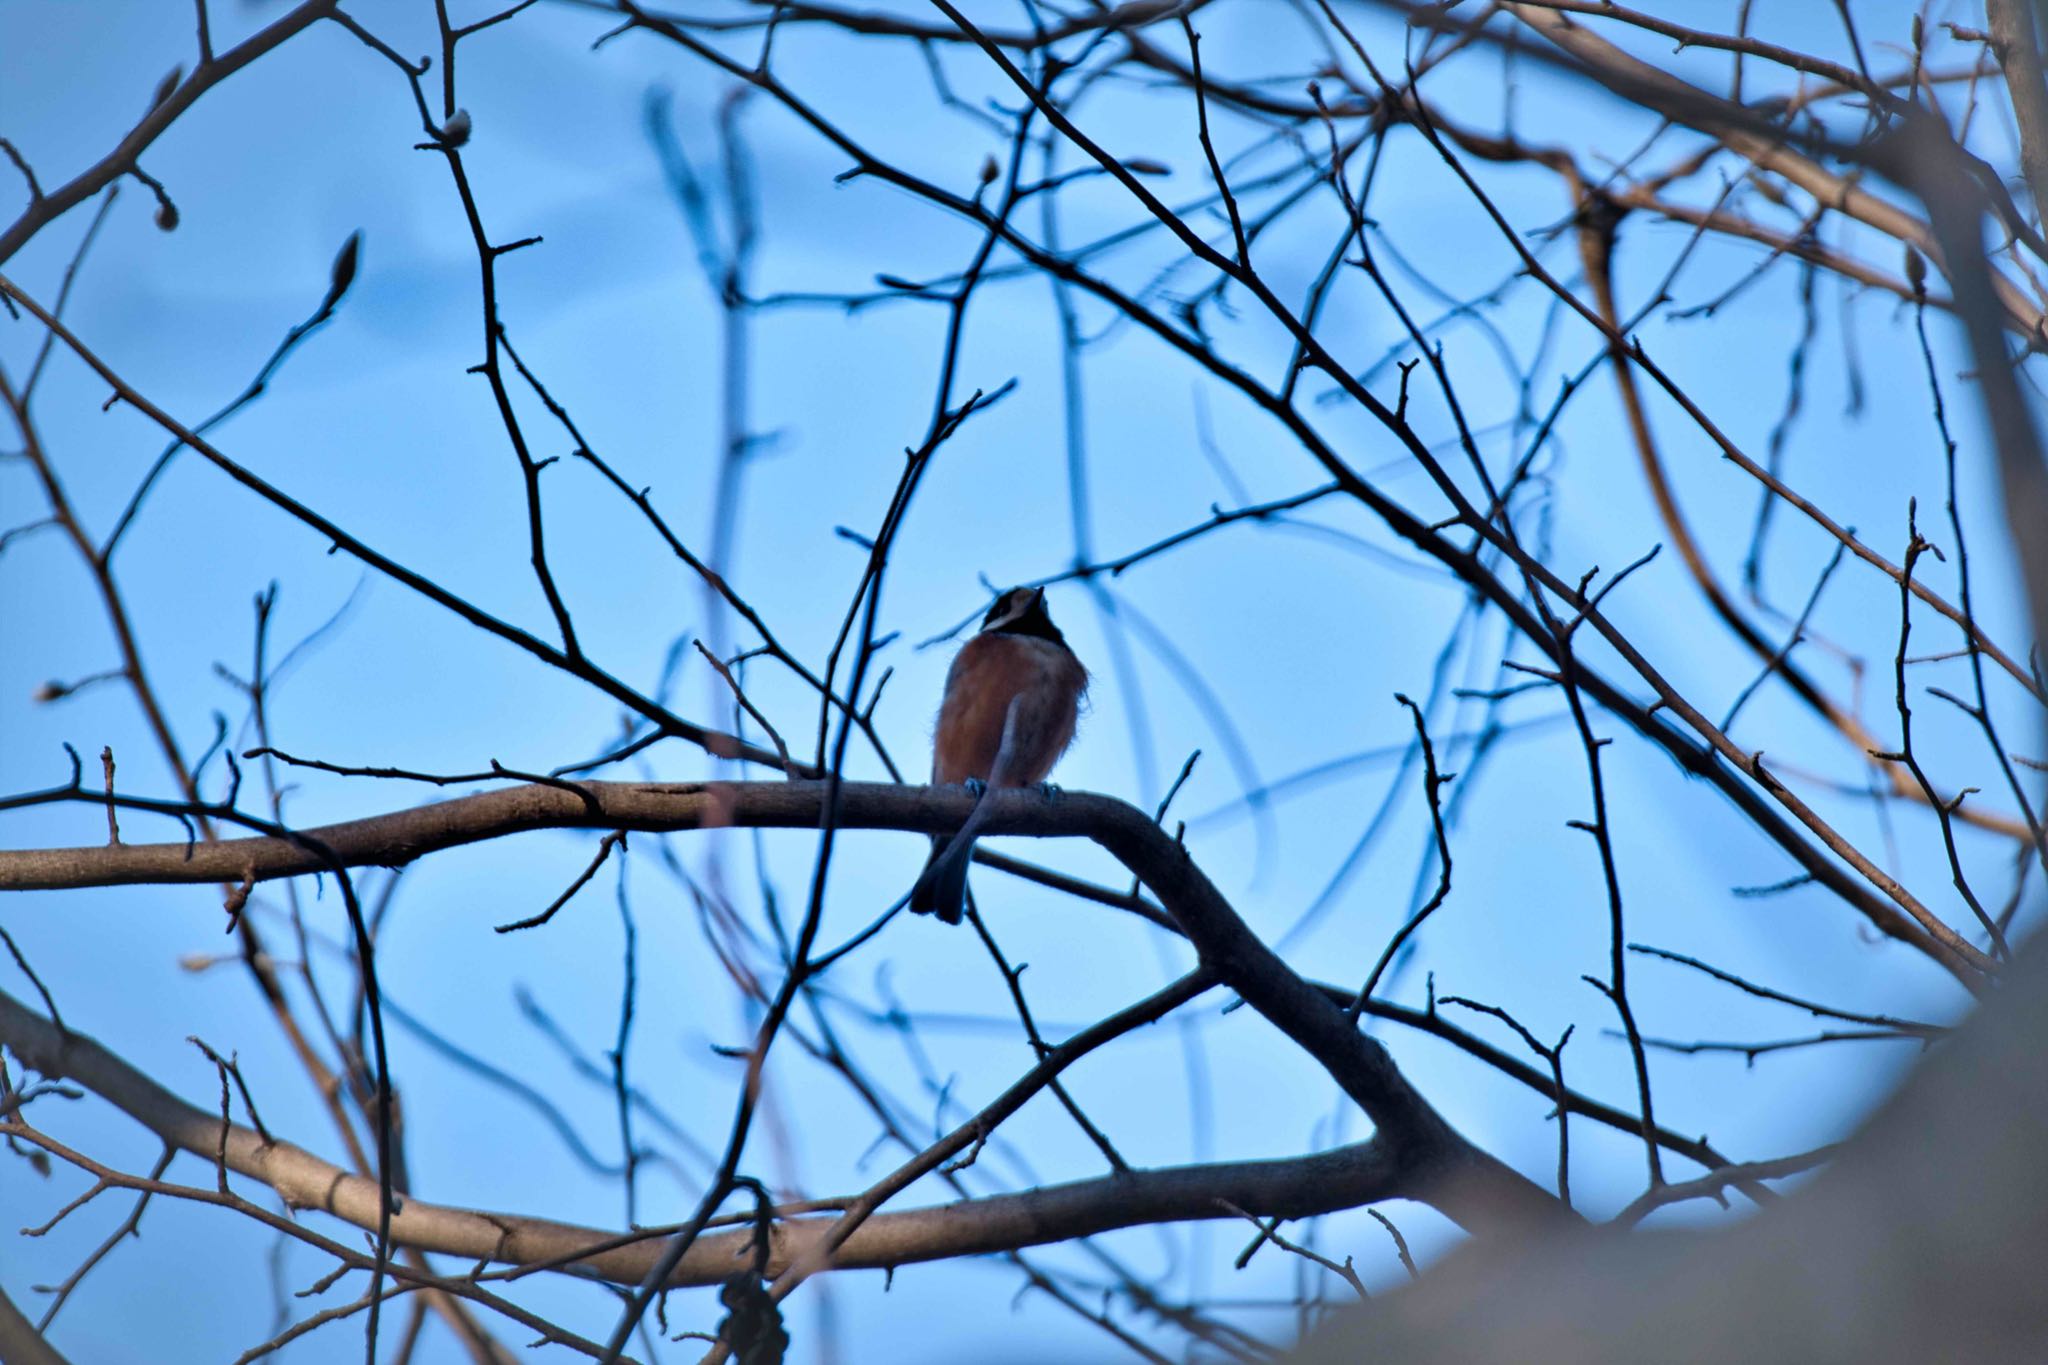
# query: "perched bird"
{"type": "Point", "coordinates": [1013, 697]}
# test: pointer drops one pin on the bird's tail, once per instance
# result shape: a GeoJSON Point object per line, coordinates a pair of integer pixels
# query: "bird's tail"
{"type": "Point", "coordinates": [942, 887]}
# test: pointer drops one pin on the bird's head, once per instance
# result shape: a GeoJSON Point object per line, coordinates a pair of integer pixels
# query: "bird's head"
{"type": "Point", "coordinates": [1021, 611]}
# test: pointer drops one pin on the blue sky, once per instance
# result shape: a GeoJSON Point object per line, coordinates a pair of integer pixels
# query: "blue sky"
{"type": "Point", "coordinates": [1303, 634]}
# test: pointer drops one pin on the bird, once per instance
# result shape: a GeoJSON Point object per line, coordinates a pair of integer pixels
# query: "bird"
{"type": "Point", "coordinates": [1012, 702]}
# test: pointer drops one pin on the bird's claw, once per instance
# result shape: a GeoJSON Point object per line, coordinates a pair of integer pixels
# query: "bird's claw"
{"type": "Point", "coordinates": [1050, 791]}
{"type": "Point", "coordinates": [975, 787]}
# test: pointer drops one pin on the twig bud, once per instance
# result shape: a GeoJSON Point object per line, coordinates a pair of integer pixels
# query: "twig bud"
{"type": "Point", "coordinates": [344, 271]}
{"type": "Point", "coordinates": [168, 86]}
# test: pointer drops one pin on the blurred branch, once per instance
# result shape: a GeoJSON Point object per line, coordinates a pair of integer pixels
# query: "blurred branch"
{"type": "Point", "coordinates": [1918, 1240]}
{"type": "Point", "coordinates": [20, 1342]}
{"type": "Point", "coordinates": [2014, 40]}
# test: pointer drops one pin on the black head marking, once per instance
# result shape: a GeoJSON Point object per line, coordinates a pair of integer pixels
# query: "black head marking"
{"type": "Point", "coordinates": [1021, 611]}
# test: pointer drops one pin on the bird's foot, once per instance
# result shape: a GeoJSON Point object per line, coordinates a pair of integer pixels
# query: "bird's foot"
{"type": "Point", "coordinates": [1050, 791]}
{"type": "Point", "coordinates": [975, 787]}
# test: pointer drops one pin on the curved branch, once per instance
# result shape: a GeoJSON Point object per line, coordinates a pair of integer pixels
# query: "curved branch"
{"type": "Point", "coordinates": [1296, 1187]}
{"type": "Point", "coordinates": [1435, 1163]}
{"type": "Point", "coordinates": [394, 839]}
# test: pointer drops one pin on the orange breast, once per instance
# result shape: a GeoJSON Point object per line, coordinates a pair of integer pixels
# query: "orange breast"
{"type": "Point", "coordinates": [990, 674]}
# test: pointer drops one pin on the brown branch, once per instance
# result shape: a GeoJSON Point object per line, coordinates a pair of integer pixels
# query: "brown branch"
{"type": "Point", "coordinates": [1433, 126]}
{"type": "Point", "coordinates": [1952, 950]}
{"type": "Point", "coordinates": [406, 1277]}
{"type": "Point", "coordinates": [1741, 44]}
{"type": "Point", "coordinates": [1598, 238]}
{"type": "Point", "coordinates": [2014, 40]}
{"type": "Point", "coordinates": [402, 836]}
{"type": "Point", "coordinates": [1296, 1187]}
{"type": "Point", "coordinates": [1437, 1163]}
{"type": "Point", "coordinates": [1711, 1185]}
{"type": "Point", "coordinates": [416, 832]}
{"type": "Point", "coordinates": [20, 1342]}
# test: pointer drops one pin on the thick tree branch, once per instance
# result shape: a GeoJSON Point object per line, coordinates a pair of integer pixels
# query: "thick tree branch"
{"type": "Point", "coordinates": [2014, 40]}
{"type": "Point", "coordinates": [1297, 1187]}
{"type": "Point", "coordinates": [404, 835]}
{"type": "Point", "coordinates": [1436, 1164]}
{"type": "Point", "coordinates": [19, 1339]}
